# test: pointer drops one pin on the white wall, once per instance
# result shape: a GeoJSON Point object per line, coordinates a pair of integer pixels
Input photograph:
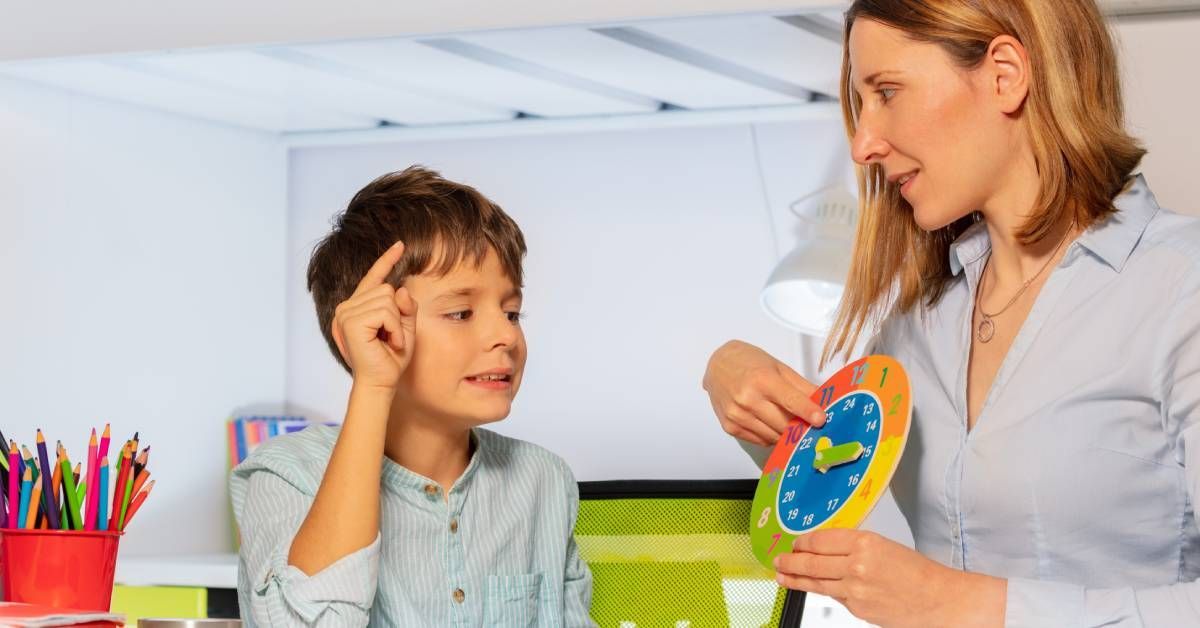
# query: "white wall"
{"type": "Point", "coordinates": [1158, 58]}
{"type": "Point", "coordinates": [141, 272]}
{"type": "Point", "coordinates": [647, 250]}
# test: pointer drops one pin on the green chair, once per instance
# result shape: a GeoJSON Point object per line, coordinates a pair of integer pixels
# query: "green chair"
{"type": "Point", "coordinates": [137, 602]}
{"type": "Point", "coordinates": [676, 554]}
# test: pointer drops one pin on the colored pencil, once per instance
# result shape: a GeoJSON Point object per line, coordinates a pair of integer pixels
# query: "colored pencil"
{"type": "Point", "coordinates": [70, 488]}
{"type": "Point", "coordinates": [3, 478]}
{"type": "Point", "coordinates": [48, 480]}
{"type": "Point", "coordinates": [26, 490]}
{"type": "Point", "coordinates": [122, 471]}
{"type": "Point", "coordinates": [14, 494]}
{"type": "Point", "coordinates": [35, 501]}
{"type": "Point", "coordinates": [137, 503]}
{"type": "Point", "coordinates": [104, 440]}
{"type": "Point", "coordinates": [63, 512]}
{"type": "Point", "coordinates": [128, 490]}
{"type": "Point", "coordinates": [28, 458]}
{"type": "Point", "coordinates": [89, 516]}
{"type": "Point", "coordinates": [102, 520]}
{"type": "Point", "coordinates": [140, 462]}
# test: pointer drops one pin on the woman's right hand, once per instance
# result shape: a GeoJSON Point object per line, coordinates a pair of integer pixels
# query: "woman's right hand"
{"type": "Point", "coordinates": [755, 395]}
{"type": "Point", "coordinates": [375, 327]}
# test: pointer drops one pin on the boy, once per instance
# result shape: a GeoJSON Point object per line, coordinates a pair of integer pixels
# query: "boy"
{"type": "Point", "coordinates": [409, 514]}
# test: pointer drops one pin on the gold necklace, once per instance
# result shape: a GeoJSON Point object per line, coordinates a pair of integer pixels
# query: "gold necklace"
{"type": "Point", "coordinates": [987, 328]}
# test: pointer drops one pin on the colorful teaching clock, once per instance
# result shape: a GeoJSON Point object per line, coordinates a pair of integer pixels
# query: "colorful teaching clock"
{"type": "Point", "coordinates": [832, 476]}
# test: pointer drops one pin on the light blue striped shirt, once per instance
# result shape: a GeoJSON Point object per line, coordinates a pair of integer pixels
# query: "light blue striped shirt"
{"type": "Point", "coordinates": [1078, 482]}
{"type": "Point", "coordinates": [501, 552]}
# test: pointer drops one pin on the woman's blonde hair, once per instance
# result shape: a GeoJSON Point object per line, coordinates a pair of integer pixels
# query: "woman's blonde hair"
{"type": "Point", "coordinates": [1074, 115]}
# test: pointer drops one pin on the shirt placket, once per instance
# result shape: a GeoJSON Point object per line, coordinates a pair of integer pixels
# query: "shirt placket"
{"type": "Point", "coordinates": [455, 557]}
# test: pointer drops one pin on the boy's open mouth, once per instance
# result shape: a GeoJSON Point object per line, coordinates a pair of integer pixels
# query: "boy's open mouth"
{"type": "Point", "coordinates": [499, 378]}
{"type": "Point", "coordinates": [490, 378]}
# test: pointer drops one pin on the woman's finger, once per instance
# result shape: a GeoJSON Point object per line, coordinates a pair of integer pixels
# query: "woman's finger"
{"type": "Point", "coordinates": [746, 420]}
{"type": "Point", "coordinates": [818, 566]}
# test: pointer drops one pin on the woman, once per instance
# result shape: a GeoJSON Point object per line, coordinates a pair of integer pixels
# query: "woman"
{"type": "Point", "coordinates": [1048, 314]}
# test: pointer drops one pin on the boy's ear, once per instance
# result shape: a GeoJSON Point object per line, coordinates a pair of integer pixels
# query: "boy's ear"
{"type": "Point", "coordinates": [339, 341]}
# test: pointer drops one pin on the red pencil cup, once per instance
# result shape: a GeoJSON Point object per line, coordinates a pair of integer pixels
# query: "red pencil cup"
{"type": "Point", "coordinates": [60, 568]}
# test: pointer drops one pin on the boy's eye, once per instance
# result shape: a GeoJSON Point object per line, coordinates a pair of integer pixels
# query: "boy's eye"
{"type": "Point", "coordinates": [515, 317]}
{"type": "Point", "coordinates": [459, 316]}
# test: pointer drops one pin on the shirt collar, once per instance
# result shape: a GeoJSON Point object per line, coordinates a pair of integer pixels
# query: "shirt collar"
{"type": "Point", "coordinates": [1112, 240]}
{"type": "Point", "coordinates": [403, 480]}
{"type": "Point", "coordinates": [971, 245]}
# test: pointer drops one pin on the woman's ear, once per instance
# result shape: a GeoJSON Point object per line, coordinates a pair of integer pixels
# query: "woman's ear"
{"type": "Point", "coordinates": [1008, 64]}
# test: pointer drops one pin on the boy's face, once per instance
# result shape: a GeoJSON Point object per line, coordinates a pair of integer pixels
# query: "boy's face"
{"type": "Point", "coordinates": [469, 349]}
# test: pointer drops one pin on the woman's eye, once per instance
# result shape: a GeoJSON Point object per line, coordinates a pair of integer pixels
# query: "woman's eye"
{"type": "Point", "coordinates": [886, 93]}
{"type": "Point", "coordinates": [459, 316]}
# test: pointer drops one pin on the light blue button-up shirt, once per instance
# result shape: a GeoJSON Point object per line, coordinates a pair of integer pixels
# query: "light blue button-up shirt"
{"type": "Point", "coordinates": [499, 552]}
{"type": "Point", "coordinates": [1078, 481]}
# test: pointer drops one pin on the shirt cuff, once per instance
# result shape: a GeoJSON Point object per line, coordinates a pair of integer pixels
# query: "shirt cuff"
{"type": "Point", "coordinates": [1037, 603]}
{"type": "Point", "coordinates": [351, 580]}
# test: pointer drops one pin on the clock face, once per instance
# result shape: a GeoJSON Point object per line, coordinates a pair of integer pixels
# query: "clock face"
{"type": "Point", "coordinates": [832, 476]}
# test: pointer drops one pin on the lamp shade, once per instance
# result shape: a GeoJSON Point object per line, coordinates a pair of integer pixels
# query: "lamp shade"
{"type": "Point", "coordinates": [805, 288]}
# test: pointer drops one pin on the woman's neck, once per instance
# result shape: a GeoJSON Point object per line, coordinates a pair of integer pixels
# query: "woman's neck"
{"type": "Point", "coordinates": [1013, 263]}
{"type": "Point", "coordinates": [428, 446]}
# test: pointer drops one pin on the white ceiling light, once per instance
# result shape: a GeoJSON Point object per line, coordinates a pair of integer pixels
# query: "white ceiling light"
{"type": "Point", "coordinates": [804, 290]}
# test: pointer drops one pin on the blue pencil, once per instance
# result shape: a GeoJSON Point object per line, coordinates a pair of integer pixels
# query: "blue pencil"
{"type": "Point", "coordinates": [102, 523]}
{"type": "Point", "coordinates": [26, 490]}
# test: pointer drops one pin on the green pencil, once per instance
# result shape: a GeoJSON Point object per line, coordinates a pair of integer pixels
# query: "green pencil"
{"type": "Point", "coordinates": [72, 493]}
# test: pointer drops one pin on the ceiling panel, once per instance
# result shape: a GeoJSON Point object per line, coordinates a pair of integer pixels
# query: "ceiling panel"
{"type": "Point", "coordinates": [432, 68]}
{"type": "Point", "coordinates": [764, 44]}
{"type": "Point", "coordinates": [107, 80]}
{"type": "Point", "coordinates": [611, 61]}
{"type": "Point", "coordinates": [288, 76]}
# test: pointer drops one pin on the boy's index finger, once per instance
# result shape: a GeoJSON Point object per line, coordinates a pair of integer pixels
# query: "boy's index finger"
{"type": "Point", "coordinates": [382, 267]}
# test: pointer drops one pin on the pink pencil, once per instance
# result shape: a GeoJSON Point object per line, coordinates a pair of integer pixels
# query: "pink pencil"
{"type": "Point", "coordinates": [14, 492]}
{"type": "Point", "coordinates": [93, 484]}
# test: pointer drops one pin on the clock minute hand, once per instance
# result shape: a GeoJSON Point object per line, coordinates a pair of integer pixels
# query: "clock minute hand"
{"type": "Point", "coordinates": [829, 455]}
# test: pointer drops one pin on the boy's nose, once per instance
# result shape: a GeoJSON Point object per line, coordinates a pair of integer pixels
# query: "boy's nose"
{"type": "Point", "coordinates": [503, 334]}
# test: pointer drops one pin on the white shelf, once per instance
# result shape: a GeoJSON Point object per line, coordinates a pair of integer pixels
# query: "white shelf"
{"type": "Point", "coordinates": [214, 571]}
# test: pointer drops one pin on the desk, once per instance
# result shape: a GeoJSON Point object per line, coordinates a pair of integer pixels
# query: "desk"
{"type": "Point", "coordinates": [211, 571]}
{"type": "Point", "coordinates": [177, 586]}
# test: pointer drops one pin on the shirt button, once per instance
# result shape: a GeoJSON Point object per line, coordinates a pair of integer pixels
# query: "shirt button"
{"type": "Point", "coordinates": [459, 596]}
{"type": "Point", "coordinates": [430, 490]}
{"type": "Point", "coordinates": [454, 525]}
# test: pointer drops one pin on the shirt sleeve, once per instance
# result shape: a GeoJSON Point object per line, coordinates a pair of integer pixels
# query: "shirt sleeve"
{"type": "Point", "coordinates": [577, 579]}
{"type": "Point", "coordinates": [1034, 603]}
{"type": "Point", "coordinates": [272, 592]}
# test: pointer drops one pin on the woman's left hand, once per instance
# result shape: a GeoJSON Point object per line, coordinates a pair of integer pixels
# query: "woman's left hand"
{"type": "Point", "coordinates": [888, 584]}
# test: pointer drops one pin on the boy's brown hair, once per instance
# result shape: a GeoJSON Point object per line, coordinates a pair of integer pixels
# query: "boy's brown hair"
{"type": "Point", "coordinates": [442, 224]}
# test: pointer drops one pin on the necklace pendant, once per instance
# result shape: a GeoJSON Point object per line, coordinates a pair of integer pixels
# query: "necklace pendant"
{"type": "Point", "coordinates": [986, 330]}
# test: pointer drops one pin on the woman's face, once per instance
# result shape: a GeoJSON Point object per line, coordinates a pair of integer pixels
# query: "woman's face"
{"type": "Point", "coordinates": [938, 131]}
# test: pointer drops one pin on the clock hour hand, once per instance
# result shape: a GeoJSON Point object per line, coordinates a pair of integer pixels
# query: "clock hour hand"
{"type": "Point", "coordinates": [829, 455]}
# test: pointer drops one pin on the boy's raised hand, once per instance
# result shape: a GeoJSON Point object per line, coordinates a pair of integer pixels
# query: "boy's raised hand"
{"type": "Point", "coordinates": [375, 327]}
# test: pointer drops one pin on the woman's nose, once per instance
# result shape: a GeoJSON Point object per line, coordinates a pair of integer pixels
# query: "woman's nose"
{"type": "Point", "coordinates": [868, 145]}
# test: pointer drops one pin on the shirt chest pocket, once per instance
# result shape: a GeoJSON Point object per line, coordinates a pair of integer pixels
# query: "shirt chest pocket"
{"type": "Point", "coordinates": [512, 601]}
